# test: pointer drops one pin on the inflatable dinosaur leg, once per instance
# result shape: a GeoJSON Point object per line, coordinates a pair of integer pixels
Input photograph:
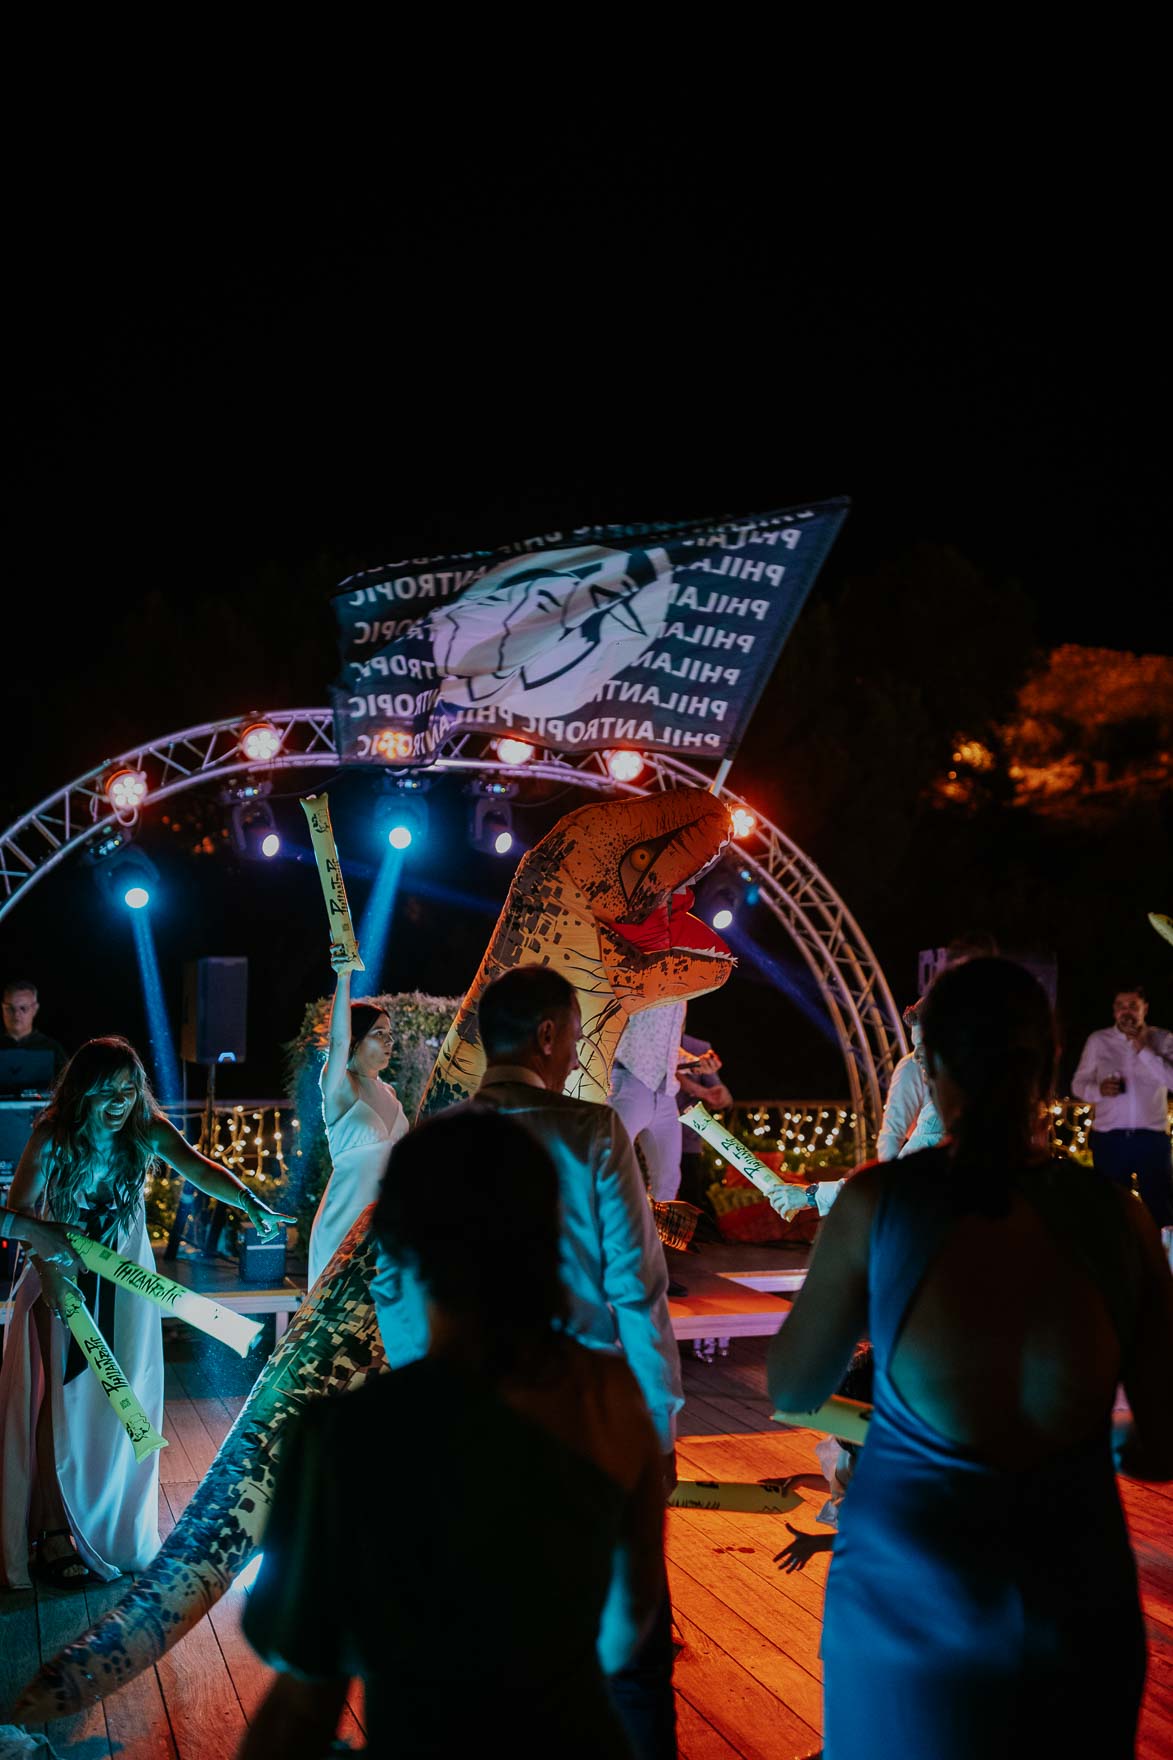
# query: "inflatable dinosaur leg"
{"type": "Point", "coordinates": [333, 1344]}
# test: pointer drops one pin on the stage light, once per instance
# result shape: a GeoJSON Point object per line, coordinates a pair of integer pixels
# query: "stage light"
{"type": "Point", "coordinates": [743, 821]}
{"type": "Point", "coordinates": [254, 829]}
{"type": "Point", "coordinates": [126, 790]}
{"type": "Point", "coordinates": [127, 878]}
{"type": "Point", "coordinates": [515, 751]}
{"type": "Point", "coordinates": [491, 827]}
{"type": "Point", "coordinates": [401, 812]}
{"type": "Point", "coordinates": [112, 839]}
{"type": "Point", "coordinates": [392, 745]}
{"type": "Point", "coordinates": [260, 742]}
{"type": "Point", "coordinates": [722, 908]}
{"type": "Point", "coordinates": [624, 764]}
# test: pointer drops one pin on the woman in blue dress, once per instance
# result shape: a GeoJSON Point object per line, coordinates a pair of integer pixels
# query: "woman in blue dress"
{"type": "Point", "coordinates": [982, 1596]}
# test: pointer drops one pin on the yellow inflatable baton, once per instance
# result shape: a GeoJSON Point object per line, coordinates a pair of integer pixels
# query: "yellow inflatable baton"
{"type": "Point", "coordinates": [317, 811]}
{"type": "Point", "coordinates": [143, 1437]}
{"type": "Point", "coordinates": [731, 1494]}
{"type": "Point", "coordinates": [232, 1329]}
{"type": "Point", "coordinates": [783, 1197]}
{"type": "Point", "coordinates": [847, 1418]}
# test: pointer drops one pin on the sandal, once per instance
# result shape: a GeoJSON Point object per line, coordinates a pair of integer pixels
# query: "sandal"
{"type": "Point", "coordinates": [70, 1571]}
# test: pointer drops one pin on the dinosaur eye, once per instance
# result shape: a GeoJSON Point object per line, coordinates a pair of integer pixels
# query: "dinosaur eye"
{"type": "Point", "coordinates": [641, 856]}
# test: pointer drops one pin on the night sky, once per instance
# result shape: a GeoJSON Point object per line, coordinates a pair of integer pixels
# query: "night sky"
{"type": "Point", "coordinates": [214, 411]}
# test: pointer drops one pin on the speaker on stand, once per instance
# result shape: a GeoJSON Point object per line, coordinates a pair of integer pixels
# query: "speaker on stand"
{"type": "Point", "coordinates": [212, 1032]}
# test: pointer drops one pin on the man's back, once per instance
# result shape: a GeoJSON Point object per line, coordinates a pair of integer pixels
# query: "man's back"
{"type": "Point", "coordinates": [612, 1261]}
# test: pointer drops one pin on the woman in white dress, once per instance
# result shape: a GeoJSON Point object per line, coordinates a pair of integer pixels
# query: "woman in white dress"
{"type": "Point", "coordinates": [363, 1116]}
{"type": "Point", "coordinates": [70, 1489]}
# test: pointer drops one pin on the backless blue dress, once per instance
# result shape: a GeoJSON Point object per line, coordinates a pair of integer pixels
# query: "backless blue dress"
{"type": "Point", "coordinates": [975, 1612]}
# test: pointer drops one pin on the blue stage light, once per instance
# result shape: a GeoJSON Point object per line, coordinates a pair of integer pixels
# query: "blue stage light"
{"type": "Point", "coordinates": [271, 844]}
{"type": "Point", "coordinates": [722, 919]}
{"type": "Point", "coordinates": [136, 898]}
{"type": "Point", "coordinates": [399, 837]}
{"type": "Point", "coordinates": [503, 843]}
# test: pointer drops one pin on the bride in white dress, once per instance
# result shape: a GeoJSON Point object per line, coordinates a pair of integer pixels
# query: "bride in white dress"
{"type": "Point", "coordinates": [69, 1482]}
{"type": "Point", "coordinates": [363, 1116]}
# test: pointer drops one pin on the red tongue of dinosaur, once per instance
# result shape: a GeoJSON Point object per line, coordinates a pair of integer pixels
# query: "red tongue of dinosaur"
{"type": "Point", "coordinates": [672, 926]}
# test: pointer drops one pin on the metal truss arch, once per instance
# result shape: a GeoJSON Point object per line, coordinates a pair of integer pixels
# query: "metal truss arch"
{"type": "Point", "coordinates": [851, 984]}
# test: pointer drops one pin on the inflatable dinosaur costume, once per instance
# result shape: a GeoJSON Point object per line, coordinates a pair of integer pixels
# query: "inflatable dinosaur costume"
{"type": "Point", "coordinates": [594, 900]}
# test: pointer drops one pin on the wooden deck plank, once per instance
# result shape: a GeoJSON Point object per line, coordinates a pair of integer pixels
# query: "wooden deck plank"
{"type": "Point", "coordinates": [720, 1531]}
{"type": "Point", "coordinates": [696, 1739]}
{"type": "Point", "coordinates": [761, 1601]}
{"type": "Point", "coordinates": [779, 1627]}
{"type": "Point", "coordinates": [192, 1433]}
{"type": "Point", "coordinates": [729, 1696]}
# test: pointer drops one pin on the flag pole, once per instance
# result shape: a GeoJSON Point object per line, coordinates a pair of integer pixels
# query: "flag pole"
{"type": "Point", "coordinates": [719, 779]}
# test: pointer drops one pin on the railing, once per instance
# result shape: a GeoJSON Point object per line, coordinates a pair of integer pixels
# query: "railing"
{"type": "Point", "coordinates": [820, 1133]}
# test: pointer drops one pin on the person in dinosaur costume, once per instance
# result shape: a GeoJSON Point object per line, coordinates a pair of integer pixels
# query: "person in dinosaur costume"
{"type": "Point", "coordinates": [601, 899]}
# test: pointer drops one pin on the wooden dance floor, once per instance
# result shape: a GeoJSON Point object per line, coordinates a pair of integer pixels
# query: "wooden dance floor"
{"type": "Point", "coordinates": [747, 1677]}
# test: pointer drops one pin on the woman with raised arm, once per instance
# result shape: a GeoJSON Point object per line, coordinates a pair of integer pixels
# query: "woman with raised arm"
{"type": "Point", "coordinates": [362, 1114]}
{"type": "Point", "coordinates": [70, 1489]}
{"type": "Point", "coordinates": [510, 1470]}
{"type": "Point", "coordinates": [982, 1596]}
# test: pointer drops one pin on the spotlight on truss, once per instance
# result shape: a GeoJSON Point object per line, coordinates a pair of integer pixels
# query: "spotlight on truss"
{"type": "Point", "coordinates": [722, 908]}
{"type": "Point", "coordinates": [128, 877]}
{"type": "Point", "coordinates": [126, 790]}
{"type": "Point", "coordinates": [254, 829]}
{"type": "Point", "coordinates": [515, 752]}
{"type": "Point", "coordinates": [743, 821]}
{"type": "Point", "coordinates": [491, 820]}
{"type": "Point", "coordinates": [624, 765]}
{"type": "Point", "coordinates": [260, 742]}
{"type": "Point", "coordinates": [392, 745]}
{"type": "Point", "coordinates": [401, 812]}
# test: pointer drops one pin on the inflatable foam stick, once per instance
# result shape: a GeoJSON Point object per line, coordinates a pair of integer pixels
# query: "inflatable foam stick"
{"type": "Point", "coordinates": [847, 1418]}
{"type": "Point", "coordinates": [144, 1439]}
{"type": "Point", "coordinates": [781, 1196]}
{"type": "Point", "coordinates": [594, 900]}
{"type": "Point", "coordinates": [1162, 924]}
{"type": "Point", "coordinates": [317, 811]}
{"type": "Point", "coordinates": [232, 1329]}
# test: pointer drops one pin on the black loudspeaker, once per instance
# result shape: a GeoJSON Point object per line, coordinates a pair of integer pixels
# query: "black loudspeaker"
{"type": "Point", "coordinates": [215, 1003]}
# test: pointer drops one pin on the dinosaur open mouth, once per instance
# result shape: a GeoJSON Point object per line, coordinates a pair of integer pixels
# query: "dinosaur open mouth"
{"type": "Point", "coordinates": [673, 926]}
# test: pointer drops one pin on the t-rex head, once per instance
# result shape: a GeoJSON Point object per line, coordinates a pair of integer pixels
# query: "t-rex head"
{"type": "Point", "coordinates": [628, 862]}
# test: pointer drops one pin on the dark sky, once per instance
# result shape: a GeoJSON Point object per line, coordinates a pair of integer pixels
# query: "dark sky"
{"type": "Point", "coordinates": [209, 394]}
{"type": "Point", "coordinates": [204, 397]}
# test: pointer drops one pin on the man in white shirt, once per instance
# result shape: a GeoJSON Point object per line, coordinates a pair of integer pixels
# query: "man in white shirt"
{"type": "Point", "coordinates": [911, 1120]}
{"type": "Point", "coordinates": [644, 1089]}
{"type": "Point", "coordinates": [1126, 1071]}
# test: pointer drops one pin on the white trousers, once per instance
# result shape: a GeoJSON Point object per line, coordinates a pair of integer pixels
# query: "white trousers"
{"type": "Point", "coordinates": [654, 1119]}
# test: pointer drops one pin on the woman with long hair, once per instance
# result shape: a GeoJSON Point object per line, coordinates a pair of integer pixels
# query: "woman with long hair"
{"type": "Point", "coordinates": [982, 1594]}
{"type": "Point", "coordinates": [510, 1471]}
{"type": "Point", "coordinates": [362, 1114]}
{"type": "Point", "coordinates": [69, 1485]}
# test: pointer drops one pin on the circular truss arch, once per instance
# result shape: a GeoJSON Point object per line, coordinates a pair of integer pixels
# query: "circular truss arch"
{"type": "Point", "coordinates": [848, 976]}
